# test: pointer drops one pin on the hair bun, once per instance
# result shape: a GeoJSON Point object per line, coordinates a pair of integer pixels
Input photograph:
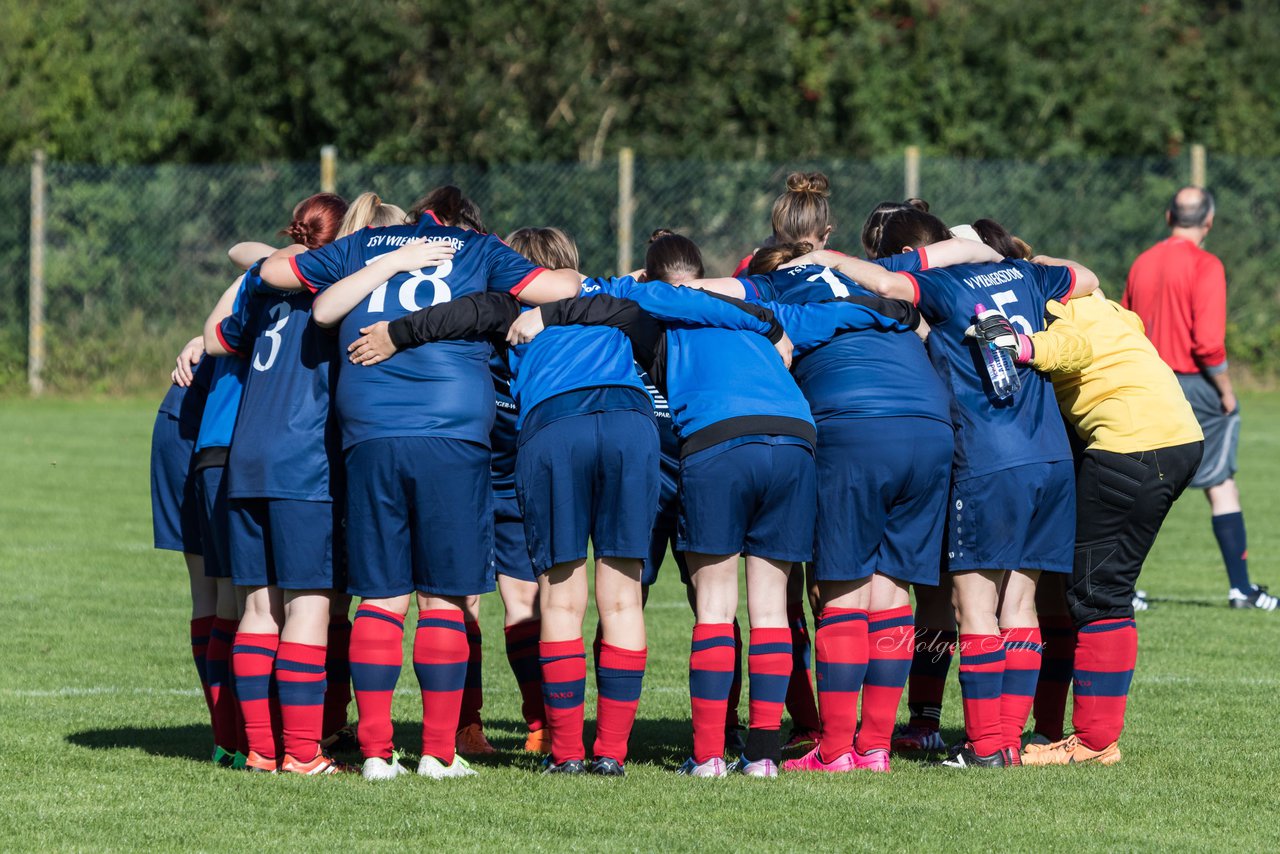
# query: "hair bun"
{"type": "Point", "coordinates": [659, 233]}
{"type": "Point", "coordinates": [809, 182]}
{"type": "Point", "coordinates": [919, 204]}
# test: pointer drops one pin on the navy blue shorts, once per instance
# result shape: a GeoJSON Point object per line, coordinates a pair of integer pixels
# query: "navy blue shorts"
{"type": "Point", "coordinates": [283, 543]}
{"type": "Point", "coordinates": [666, 524]}
{"type": "Point", "coordinates": [588, 477]}
{"type": "Point", "coordinates": [419, 517]}
{"type": "Point", "coordinates": [175, 512]}
{"type": "Point", "coordinates": [211, 496]}
{"type": "Point", "coordinates": [882, 498]}
{"type": "Point", "coordinates": [510, 552]}
{"type": "Point", "coordinates": [1019, 518]}
{"type": "Point", "coordinates": [753, 495]}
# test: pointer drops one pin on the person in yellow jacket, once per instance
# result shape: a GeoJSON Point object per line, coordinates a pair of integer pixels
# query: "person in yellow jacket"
{"type": "Point", "coordinates": [1141, 447]}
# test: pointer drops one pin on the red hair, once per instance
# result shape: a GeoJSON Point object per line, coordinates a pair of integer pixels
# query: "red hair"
{"type": "Point", "coordinates": [316, 220]}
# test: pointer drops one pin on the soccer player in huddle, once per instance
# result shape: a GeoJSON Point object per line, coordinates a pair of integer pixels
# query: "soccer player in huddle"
{"type": "Point", "coordinates": [1012, 482]}
{"type": "Point", "coordinates": [415, 438]}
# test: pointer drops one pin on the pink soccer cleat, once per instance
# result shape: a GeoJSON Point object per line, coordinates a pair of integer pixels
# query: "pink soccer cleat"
{"type": "Point", "coordinates": [872, 760]}
{"type": "Point", "coordinates": [811, 761]}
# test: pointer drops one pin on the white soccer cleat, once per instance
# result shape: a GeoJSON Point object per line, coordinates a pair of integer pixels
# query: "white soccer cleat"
{"type": "Point", "coordinates": [433, 768]}
{"type": "Point", "coordinates": [377, 768]}
{"type": "Point", "coordinates": [758, 768]}
{"type": "Point", "coordinates": [713, 767]}
{"type": "Point", "coordinates": [1258, 599]}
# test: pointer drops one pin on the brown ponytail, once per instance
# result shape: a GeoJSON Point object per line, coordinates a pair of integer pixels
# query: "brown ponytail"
{"type": "Point", "coordinates": [1000, 239]}
{"type": "Point", "coordinates": [449, 207]}
{"type": "Point", "coordinates": [769, 258]}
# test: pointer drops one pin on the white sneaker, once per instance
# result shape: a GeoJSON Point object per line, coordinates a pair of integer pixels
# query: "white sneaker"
{"type": "Point", "coordinates": [431, 767]}
{"type": "Point", "coordinates": [1258, 599]}
{"type": "Point", "coordinates": [759, 768]}
{"type": "Point", "coordinates": [377, 768]}
{"type": "Point", "coordinates": [713, 767]}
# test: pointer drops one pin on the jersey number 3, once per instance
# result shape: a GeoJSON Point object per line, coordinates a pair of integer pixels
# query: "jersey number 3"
{"type": "Point", "coordinates": [280, 314]}
{"type": "Point", "coordinates": [408, 290]}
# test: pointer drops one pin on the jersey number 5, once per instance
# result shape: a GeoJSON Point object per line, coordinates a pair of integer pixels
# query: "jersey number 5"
{"type": "Point", "coordinates": [1005, 298]}
{"type": "Point", "coordinates": [408, 290]}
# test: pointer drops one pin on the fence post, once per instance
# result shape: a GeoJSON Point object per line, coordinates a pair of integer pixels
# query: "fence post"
{"type": "Point", "coordinates": [626, 207]}
{"type": "Point", "coordinates": [35, 299]}
{"type": "Point", "coordinates": [1198, 165]}
{"type": "Point", "coordinates": [328, 169]}
{"type": "Point", "coordinates": [911, 172]}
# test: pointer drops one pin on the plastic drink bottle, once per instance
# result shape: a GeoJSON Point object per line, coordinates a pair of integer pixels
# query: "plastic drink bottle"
{"type": "Point", "coordinates": [1005, 381]}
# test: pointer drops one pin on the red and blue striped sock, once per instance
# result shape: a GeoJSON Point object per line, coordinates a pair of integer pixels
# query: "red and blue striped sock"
{"type": "Point", "coordinates": [981, 685]}
{"type": "Point", "coordinates": [473, 690]}
{"type": "Point", "coordinates": [200, 628]}
{"type": "Point", "coordinates": [522, 655]}
{"type": "Point", "coordinates": [1050, 706]}
{"type": "Point", "coordinates": [300, 682]}
{"type": "Point", "coordinates": [252, 660]}
{"type": "Point", "coordinates": [769, 666]}
{"type": "Point", "coordinates": [1106, 654]}
{"type": "Point", "coordinates": [801, 704]}
{"type": "Point", "coordinates": [619, 679]}
{"type": "Point", "coordinates": [711, 674]}
{"type": "Point", "coordinates": [564, 685]}
{"type": "Point", "coordinates": [731, 720]}
{"type": "Point", "coordinates": [376, 657]}
{"type": "Point", "coordinates": [440, 662]}
{"type": "Point", "coordinates": [930, 662]}
{"type": "Point", "coordinates": [890, 636]}
{"type": "Point", "coordinates": [1023, 653]}
{"type": "Point", "coordinates": [841, 644]}
{"type": "Point", "coordinates": [222, 632]}
{"type": "Point", "coordinates": [337, 667]}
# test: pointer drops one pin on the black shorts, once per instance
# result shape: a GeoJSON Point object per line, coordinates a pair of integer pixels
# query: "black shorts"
{"type": "Point", "coordinates": [1121, 502]}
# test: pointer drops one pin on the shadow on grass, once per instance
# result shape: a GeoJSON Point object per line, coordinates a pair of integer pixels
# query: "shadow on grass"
{"type": "Point", "coordinates": [662, 741]}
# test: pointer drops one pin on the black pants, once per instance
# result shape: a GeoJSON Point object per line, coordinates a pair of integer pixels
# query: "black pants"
{"type": "Point", "coordinates": [1121, 502]}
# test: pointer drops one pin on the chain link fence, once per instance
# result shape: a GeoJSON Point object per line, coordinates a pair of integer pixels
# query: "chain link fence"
{"type": "Point", "coordinates": [135, 256]}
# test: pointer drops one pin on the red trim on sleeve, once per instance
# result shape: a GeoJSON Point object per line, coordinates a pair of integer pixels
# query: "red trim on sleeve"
{"type": "Point", "coordinates": [749, 287]}
{"type": "Point", "coordinates": [525, 282]}
{"type": "Point", "coordinates": [924, 259]}
{"type": "Point", "coordinates": [915, 300]}
{"type": "Point", "coordinates": [433, 216]}
{"type": "Point", "coordinates": [223, 341]}
{"type": "Point", "coordinates": [743, 265]}
{"type": "Point", "coordinates": [293, 263]}
{"type": "Point", "coordinates": [1066, 298]}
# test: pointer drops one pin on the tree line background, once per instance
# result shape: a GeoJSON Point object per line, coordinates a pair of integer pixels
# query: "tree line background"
{"type": "Point", "coordinates": [176, 126]}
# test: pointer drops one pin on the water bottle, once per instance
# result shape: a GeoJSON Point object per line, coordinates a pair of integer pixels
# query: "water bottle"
{"type": "Point", "coordinates": [1000, 368]}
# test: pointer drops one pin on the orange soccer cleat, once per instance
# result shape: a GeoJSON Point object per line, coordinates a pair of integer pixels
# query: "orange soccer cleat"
{"type": "Point", "coordinates": [471, 742]}
{"type": "Point", "coordinates": [1069, 751]}
{"type": "Point", "coordinates": [539, 741]}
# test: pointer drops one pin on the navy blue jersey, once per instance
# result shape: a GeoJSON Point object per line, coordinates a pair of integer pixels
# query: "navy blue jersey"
{"type": "Point", "coordinates": [668, 442]}
{"type": "Point", "coordinates": [993, 435]}
{"type": "Point", "coordinates": [569, 358]}
{"type": "Point", "coordinates": [286, 435]}
{"type": "Point", "coordinates": [442, 389]}
{"type": "Point", "coordinates": [226, 383]}
{"type": "Point", "coordinates": [856, 376]}
{"type": "Point", "coordinates": [713, 371]}
{"type": "Point", "coordinates": [186, 403]}
{"type": "Point", "coordinates": [502, 438]}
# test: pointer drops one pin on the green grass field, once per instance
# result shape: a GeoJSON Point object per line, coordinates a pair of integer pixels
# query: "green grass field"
{"type": "Point", "coordinates": [103, 740]}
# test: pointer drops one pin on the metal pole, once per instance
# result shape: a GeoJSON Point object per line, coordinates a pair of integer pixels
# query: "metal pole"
{"type": "Point", "coordinates": [35, 317]}
{"type": "Point", "coordinates": [328, 169]}
{"type": "Point", "coordinates": [626, 207]}
{"type": "Point", "coordinates": [1198, 165]}
{"type": "Point", "coordinates": [911, 172]}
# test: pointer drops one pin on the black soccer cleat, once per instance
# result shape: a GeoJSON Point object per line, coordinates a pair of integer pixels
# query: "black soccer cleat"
{"type": "Point", "coordinates": [1258, 599]}
{"type": "Point", "coordinates": [606, 766]}
{"type": "Point", "coordinates": [964, 756]}
{"type": "Point", "coordinates": [569, 766]}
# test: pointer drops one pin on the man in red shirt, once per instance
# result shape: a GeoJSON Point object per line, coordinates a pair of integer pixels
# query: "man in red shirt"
{"type": "Point", "coordinates": [1180, 292]}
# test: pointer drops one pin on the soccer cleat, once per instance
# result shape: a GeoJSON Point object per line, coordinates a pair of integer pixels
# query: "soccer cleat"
{"type": "Point", "coordinates": [756, 768]}
{"type": "Point", "coordinates": [916, 739]}
{"type": "Point", "coordinates": [1069, 751]}
{"type": "Point", "coordinates": [605, 766]}
{"type": "Point", "coordinates": [429, 766]}
{"type": "Point", "coordinates": [377, 769]}
{"type": "Point", "coordinates": [872, 760]}
{"type": "Point", "coordinates": [471, 742]}
{"type": "Point", "coordinates": [318, 767]}
{"type": "Point", "coordinates": [569, 766]}
{"type": "Point", "coordinates": [1259, 599]}
{"type": "Point", "coordinates": [342, 740]}
{"type": "Point", "coordinates": [800, 739]}
{"type": "Point", "coordinates": [223, 758]}
{"type": "Point", "coordinates": [539, 741]}
{"type": "Point", "coordinates": [1140, 602]}
{"type": "Point", "coordinates": [964, 756]}
{"type": "Point", "coordinates": [256, 763]}
{"type": "Point", "coordinates": [713, 767]}
{"type": "Point", "coordinates": [238, 760]}
{"type": "Point", "coordinates": [811, 761]}
{"type": "Point", "coordinates": [1035, 741]}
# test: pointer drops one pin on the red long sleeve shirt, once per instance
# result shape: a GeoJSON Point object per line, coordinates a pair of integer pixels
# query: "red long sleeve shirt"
{"type": "Point", "coordinates": [1180, 292]}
